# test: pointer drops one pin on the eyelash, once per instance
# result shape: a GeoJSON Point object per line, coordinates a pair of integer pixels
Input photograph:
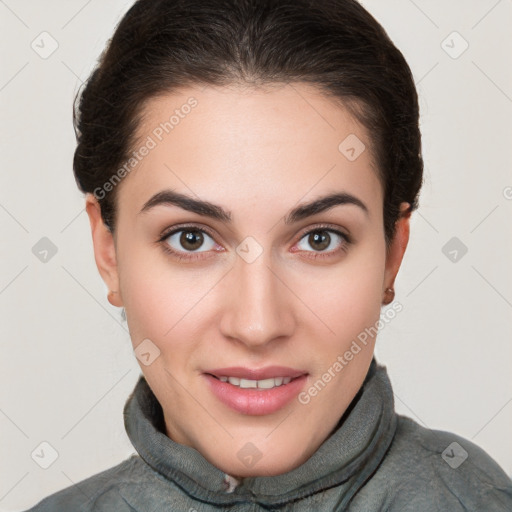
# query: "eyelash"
{"type": "Point", "coordinates": [192, 256]}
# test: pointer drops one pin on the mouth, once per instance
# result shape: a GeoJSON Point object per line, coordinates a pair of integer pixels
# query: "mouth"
{"type": "Point", "coordinates": [256, 391]}
{"type": "Point", "coordinates": [272, 382]}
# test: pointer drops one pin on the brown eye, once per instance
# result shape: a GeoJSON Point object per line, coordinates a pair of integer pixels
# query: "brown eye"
{"type": "Point", "coordinates": [319, 240]}
{"type": "Point", "coordinates": [189, 240]}
{"type": "Point", "coordinates": [323, 240]}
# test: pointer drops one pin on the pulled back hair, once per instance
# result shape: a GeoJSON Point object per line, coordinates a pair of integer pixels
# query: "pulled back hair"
{"type": "Point", "coordinates": [334, 45]}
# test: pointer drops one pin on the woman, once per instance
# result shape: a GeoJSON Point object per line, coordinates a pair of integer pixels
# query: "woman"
{"type": "Point", "coordinates": [250, 170]}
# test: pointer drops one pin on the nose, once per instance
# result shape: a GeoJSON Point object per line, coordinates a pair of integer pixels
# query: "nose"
{"type": "Point", "coordinates": [259, 307]}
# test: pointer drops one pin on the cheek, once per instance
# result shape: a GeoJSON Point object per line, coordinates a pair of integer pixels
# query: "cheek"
{"type": "Point", "coordinates": [146, 314]}
{"type": "Point", "coordinates": [161, 303]}
{"type": "Point", "coordinates": [347, 298]}
{"type": "Point", "coordinates": [147, 293]}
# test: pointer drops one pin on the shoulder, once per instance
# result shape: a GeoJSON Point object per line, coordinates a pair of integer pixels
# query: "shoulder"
{"type": "Point", "coordinates": [437, 470]}
{"type": "Point", "coordinates": [98, 492]}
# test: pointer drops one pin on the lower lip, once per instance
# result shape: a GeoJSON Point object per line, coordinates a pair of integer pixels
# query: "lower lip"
{"type": "Point", "coordinates": [254, 401]}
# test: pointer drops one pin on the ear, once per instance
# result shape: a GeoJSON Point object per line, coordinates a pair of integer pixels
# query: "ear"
{"type": "Point", "coordinates": [397, 248]}
{"type": "Point", "coordinates": [104, 250]}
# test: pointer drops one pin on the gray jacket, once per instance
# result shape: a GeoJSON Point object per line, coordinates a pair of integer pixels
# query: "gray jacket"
{"type": "Point", "coordinates": [376, 460]}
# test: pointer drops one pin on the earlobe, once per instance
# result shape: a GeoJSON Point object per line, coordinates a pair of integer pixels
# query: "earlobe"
{"type": "Point", "coordinates": [104, 250]}
{"type": "Point", "coordinates": [397, 248]}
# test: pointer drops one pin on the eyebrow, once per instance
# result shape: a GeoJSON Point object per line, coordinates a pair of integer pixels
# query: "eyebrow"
{"type": "Point", "coordinates": [216, 212]}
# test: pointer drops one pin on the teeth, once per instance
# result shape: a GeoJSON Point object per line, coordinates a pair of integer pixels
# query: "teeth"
{"type": "Point", "coordinates": [268, 383]}
{"type": "Point", "coordinates": [261, 384]}
{"type": "Point", "coordinates": [246, 383]}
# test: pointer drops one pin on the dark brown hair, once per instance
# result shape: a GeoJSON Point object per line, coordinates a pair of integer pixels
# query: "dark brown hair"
{"type": "Point", "coordinates": [335, 45]}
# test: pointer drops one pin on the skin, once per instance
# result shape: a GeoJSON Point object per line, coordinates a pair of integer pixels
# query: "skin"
{"type": "Point", "coordinates": [258, 154]}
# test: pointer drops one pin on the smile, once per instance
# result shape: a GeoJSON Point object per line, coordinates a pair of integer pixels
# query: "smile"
{"type": "Point", "coordinates": [256, 391]}
{"type": "Point", "coordinates": [259, 384]}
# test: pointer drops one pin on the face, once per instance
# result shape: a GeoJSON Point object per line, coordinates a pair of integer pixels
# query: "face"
{"type": "Point", "coordinates": [247, 295]}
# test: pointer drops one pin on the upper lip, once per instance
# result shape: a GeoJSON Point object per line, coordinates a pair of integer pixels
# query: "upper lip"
{"type": "Point", "coordinates": [256, 374]}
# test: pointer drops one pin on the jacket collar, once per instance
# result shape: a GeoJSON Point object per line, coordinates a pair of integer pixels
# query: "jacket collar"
{"type": "Point", "coordinates": [345, 459]}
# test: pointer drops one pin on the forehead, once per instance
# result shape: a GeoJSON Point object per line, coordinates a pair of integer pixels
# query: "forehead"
{"type": "Point", "coordinates": [241, 144]}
